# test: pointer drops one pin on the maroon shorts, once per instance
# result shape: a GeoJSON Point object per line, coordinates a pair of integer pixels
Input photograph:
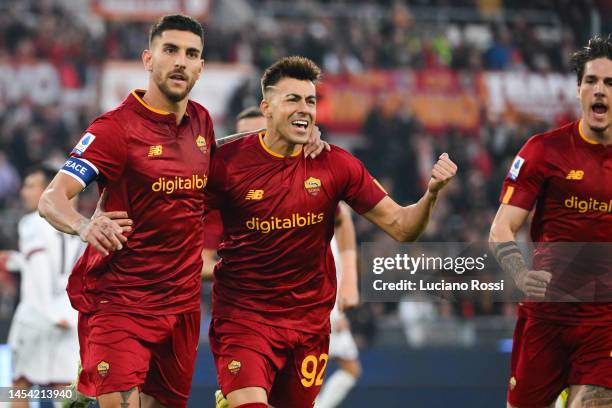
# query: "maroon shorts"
{"type": "Point", "coordinates": [547, 357]}
{"type": "Point", "coordinates": [288, 364]}
{"type": "Point", "coordinates": [155, 353]}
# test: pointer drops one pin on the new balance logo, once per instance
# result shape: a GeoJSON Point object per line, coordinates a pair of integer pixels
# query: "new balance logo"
{"type": "Point", "coordinates": [254, 195]}
{"type": "Point", "coordinates": [575, 175]}
{"type": "Point", "coordinates": [155, 150]}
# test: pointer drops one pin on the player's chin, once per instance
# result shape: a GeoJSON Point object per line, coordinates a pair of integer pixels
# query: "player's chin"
{"type": "Point", "coordinates": [599, 126]}
{"type": "Point", "coordinates": [175, 95]}
{"type": "Point", "coordinates": [299, 136]}
{"type": "Point", "coordinates": [298, 139]}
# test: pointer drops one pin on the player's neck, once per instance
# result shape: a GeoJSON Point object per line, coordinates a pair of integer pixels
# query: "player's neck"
{"type": "Point", "coordinates": [604, 137]}
{"type": "Point", "coordinates": [156, 99]}
{"type": "Point", "coordinates": [279, 145]}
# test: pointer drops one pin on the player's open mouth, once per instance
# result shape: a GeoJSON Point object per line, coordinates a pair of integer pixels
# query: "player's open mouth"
{"type": "Point", "coordinates": [301, 124]}
{"type": "Point", "coordinates": [600, 109]}
{"type": "Point", "coordinates": [178, 77]}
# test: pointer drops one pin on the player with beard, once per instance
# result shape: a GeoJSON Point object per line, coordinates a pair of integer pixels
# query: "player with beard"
{"type": "Point", "coordinates": [138, 292]}
{"type": "Point", "coordinates": [562, 344]}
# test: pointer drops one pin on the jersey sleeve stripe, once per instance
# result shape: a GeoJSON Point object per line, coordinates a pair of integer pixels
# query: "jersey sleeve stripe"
{"type": "Point", "coordinates": [508, 195]}
{"type": "Point", "coordinates": [380, 186]}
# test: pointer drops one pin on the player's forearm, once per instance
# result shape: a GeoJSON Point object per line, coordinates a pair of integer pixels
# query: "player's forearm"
{"type": "Point", "coordinates": [56, 208]}
{"type": "Point", "coordinates": [348, 260]}
{"type": "Point", "coordinates": [502, 243]}
{"type": "Point", "coordinates": [413, 219]}
{"type": "Point", "coordinates": [345, 233]}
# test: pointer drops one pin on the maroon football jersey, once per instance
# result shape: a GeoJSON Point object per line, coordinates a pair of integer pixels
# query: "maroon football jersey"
{"type": "Point", "coordinates": [568, 178]}
{"type": "Point", "coordinates": [276, 263]}
{"type": "Point", "coordinates": [156, 170]}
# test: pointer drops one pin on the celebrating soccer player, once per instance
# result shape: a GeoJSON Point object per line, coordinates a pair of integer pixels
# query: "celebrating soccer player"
{"type": "Point", "coordinates": [342, 346]}
{"type": "Point", "coordinates": [562, 344]}
{"type": "Point", "coordinates": [275, 284]}
{"type": "Point", "coordinates": [138, 293]}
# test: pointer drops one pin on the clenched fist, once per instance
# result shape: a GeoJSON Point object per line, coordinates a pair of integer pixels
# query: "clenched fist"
{"type": "Point", "coordinates": [442, 172]}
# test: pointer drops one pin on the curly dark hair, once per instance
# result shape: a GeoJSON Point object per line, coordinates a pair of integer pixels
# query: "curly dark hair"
{"type": "Point", "coordinates": [598, 47]}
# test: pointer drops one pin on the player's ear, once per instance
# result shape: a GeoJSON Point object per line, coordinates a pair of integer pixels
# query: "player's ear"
{"type": "Point", "coordinates": [147, 60]}
{"type": "Point", "coordinates": [264, 106]}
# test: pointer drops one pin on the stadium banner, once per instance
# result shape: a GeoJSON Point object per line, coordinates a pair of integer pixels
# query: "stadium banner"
{"type": "Point", "coordinates": [213, 90]}
{"type": "Point", "coordinates": [439, 98]}
{"type": "Point", "coordinates": [456, 272]}
{"type": "Point", "coordinates": [540, 96]}
{"type": "Point", "coordinates": [148, 10]}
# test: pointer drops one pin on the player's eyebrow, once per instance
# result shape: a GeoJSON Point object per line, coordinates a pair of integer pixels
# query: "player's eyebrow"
{"type": "Point", "coordinates": [174, 46]}
{"type": "Point", "coordinates": [298, 96]}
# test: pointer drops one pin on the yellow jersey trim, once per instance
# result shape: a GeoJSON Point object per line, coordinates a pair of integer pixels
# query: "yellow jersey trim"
{"type": "Point", "coordinates": [583, 136]}
{"type": "Point", "coordinates": [273, 153]}
{"type": "Point", "coordinates": [149, 107]}
{"type": "Point", "coordinates": [508, 194]}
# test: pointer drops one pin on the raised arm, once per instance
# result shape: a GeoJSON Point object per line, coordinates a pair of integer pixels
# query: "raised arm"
{"type": "Point", "coordinates": [407, 223]}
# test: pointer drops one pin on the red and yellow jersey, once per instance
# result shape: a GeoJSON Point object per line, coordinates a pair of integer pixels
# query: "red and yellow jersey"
{"type": "Point", "coordinates": [156, 170]}
{"type": "Point", "coordinates": [276, 264]}
{"type": "Point", "coordinates": [568, 179]}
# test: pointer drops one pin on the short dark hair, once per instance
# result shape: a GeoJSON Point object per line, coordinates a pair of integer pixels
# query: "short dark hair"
{"type": "Point", "coordinates": [176, 22]}
{"type": "Point", "coordinates": [598, 47]}
{"type": "Point", "coordinates": [47, 172]}
{"type": "Point", "coordinates": [250, 112]}
{"type": "Point", "coordinates": [295, 67]}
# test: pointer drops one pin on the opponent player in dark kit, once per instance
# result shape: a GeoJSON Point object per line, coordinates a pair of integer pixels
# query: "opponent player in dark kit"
{"type": "Point", "coordinates": [275, 285]}
{"type": "Point", "coordinates": [566, 174]}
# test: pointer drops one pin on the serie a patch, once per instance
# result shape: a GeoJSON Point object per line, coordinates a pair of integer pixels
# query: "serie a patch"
{"type": "Point", "coordinates": [84, 143]}
{"type": "Point", "coordinates": [516, 167]}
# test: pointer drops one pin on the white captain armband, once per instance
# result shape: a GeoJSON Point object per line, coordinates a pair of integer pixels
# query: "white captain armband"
{"type": "Point", "coordinates": [80, 169]}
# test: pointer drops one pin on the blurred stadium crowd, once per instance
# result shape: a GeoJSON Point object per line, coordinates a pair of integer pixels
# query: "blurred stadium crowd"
{"type": "Point", "coordinates": [345, 38]}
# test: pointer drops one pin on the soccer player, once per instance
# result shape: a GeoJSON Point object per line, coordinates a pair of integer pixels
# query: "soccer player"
{"type": "Point", "coordinates": [342, 346]}
{"type": "Point", "coordinates": [275, 284]}
{"type": "Point", "coordinates": [561, 344]}
{"type": "Point", "coordinates": [43, 334]}
{"type": "Point", "coordinates": [138, 292]}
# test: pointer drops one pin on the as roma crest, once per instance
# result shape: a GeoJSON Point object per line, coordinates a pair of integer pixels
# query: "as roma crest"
{"type": "Point", "coordinates": [312, 185]}
{"type": "Point", "coordinates": [201, 143]}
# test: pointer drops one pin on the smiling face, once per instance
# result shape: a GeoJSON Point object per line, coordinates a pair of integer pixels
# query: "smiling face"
{"type": "Point", "coordinates": [595, 93]}
{"type": "Point", "coordinates": [175, 62]}
{"type": "Point", "coordinates": [290, 108]}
